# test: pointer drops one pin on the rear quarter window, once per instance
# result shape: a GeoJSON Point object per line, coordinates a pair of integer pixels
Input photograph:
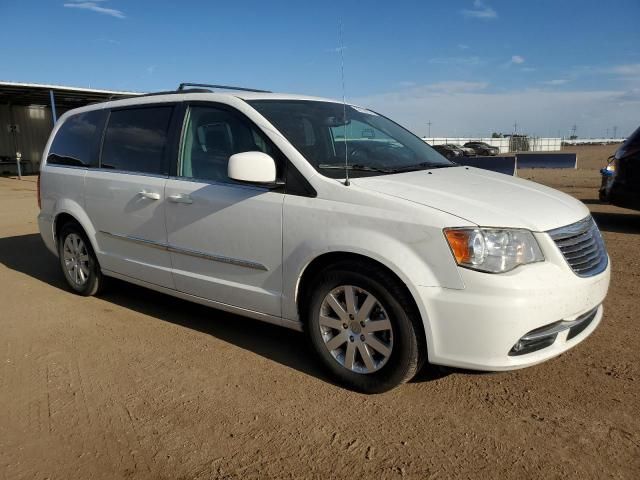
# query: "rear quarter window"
{"type": "Point", "coordinates": [76, 142]}
{"type": "Point", "coordinates": [136, 140]}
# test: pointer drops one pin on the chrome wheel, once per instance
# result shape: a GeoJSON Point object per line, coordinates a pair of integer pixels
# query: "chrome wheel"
{"type": "Point", "coordinates": [356, 329]}
{"type": "Point", "coordinates": [76, 259]}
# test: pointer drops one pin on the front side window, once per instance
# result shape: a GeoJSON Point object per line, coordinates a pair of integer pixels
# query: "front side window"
{"type": "Point", "coordinates": [369, 143]}
{"type": "Point", "coordinates": [76, 143]}
{"type": "Point", "coordinates": [211, 136]}
{"type": "Point", "coordinates": [136, 139]}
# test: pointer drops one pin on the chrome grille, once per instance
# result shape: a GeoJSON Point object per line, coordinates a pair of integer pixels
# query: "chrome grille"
{"type": "Point", "coordinates": [582, 247]}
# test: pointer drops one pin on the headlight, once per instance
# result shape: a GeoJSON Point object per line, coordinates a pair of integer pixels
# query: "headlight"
{"type": "Point", "coordinates": [493, 250]}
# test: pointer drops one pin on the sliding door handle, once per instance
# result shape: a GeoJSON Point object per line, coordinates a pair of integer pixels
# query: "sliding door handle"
{"type": "Point", "coordinates": [149, 195]}
{"type": "Point", "coordinates": [181, 198]}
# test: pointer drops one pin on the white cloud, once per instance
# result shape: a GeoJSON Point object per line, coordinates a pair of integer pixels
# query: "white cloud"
{"type": "Point", "coordinates": [467, 108]}
{"type": "Point", "coordinates": [555, 82]}
{"type": "Point", "coordinates": [453, 87]}
{"type": "Point", "coordinates": [95, 7]}
{"type": "Point", "coordinates": [462, 46]}
{"type": "Point", "coordinates": [631, 70]}
{"type": "Point", "coordinates": [527, 69]}
{"type": "Point", "coordinates": [517, 59]}
{"type": "Point", "coordinates": [480, 10]}
{"type": "Point", "coordinates": [466, 61]}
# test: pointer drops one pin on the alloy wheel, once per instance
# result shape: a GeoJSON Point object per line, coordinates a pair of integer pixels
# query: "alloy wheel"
{"type": "Point", "coordinates": [76, 259]}
{"type": "Point", "coordinates": [356, 329]}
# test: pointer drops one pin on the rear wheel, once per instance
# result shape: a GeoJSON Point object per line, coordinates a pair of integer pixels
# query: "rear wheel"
{"type": "Point", "coordinates": [363, 325]}
{"type": "Point", "coordinates": [78, 261]}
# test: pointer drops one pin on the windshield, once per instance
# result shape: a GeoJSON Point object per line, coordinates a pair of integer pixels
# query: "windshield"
{"type": "Point", "coordinates": [372, 144]}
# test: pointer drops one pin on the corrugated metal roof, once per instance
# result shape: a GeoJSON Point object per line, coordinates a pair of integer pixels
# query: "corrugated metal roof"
{"type": "Point", "coordinates": [66, 97]}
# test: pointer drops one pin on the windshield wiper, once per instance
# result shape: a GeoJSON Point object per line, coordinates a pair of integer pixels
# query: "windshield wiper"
{"type": "Point", "coordinates": [359, 168]}
{"type": "Point", "coordinates": [422, 166]}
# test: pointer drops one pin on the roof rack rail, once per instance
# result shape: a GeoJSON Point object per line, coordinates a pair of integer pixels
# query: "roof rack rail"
{"type": "Point", "coordinates": [221, 87]}
{"type": "Point", "coordinates": [164, 92]}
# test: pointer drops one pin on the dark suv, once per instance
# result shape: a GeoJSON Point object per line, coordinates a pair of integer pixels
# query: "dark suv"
{"type": "Point", "coordinates": [621, 177]}
{"type": "Point", "coordinates": [482, 148]}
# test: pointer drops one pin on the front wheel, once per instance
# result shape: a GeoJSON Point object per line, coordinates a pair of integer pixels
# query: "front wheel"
{"type": "Point", "coordinates": [364, 327]}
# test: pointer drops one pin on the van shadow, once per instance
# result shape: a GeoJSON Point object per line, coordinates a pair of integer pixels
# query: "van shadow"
{"type": "Point", "coordinates": [28, 255]}
{"type": "Point", "coordinates": [617, 222]}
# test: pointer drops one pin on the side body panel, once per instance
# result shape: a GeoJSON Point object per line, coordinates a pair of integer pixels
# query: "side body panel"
{"type": "Point", "coordinates": [130, 226]}
{"type": "Point", "coordinates": [226, 243]}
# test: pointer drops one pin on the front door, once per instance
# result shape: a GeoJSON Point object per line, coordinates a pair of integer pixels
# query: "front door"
{"type": "Point", "coordinates": [125, 196]}
{"type": "Point", "coordinates": [225, 238]}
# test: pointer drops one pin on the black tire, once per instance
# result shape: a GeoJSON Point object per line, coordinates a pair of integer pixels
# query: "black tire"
{"type": "Point", "coordinates": [95, 280]}
{"type": "Point", "coordinates": [409, 349]}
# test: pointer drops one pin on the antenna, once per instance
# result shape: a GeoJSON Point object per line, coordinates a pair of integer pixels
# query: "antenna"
{"type": "Point", "coordinates": [344, 109]}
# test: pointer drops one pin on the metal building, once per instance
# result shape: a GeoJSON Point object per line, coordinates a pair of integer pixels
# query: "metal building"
{"type": "Point", "coordinates": [28, 112]}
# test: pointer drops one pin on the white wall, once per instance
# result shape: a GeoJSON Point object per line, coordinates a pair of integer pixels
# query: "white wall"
{"type": "Point", "coordinates": [582, 141]}
{"type": "Point", "coordinates": [501, 143]}
{"type": "Point", "coordinates": [535, 144]}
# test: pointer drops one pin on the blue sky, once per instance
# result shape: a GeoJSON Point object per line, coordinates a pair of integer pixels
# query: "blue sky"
{"type": "Point", "coordinates": [470, 67]}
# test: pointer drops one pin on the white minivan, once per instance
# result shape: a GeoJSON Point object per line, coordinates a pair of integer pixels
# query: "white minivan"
{"type": "Point", "coordinates": [326, 218]}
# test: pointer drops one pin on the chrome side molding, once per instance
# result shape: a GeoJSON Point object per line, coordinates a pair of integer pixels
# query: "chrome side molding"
{"type": "Point", "coordinates": [192, 253]}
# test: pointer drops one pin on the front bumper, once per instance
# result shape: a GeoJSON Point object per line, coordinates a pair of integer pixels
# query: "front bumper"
{"type": "Point", "coordinates": [479, 326]}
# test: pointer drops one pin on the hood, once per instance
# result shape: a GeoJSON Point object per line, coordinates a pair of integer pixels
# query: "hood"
{"type": "Point", "coordinates": [482, 197]}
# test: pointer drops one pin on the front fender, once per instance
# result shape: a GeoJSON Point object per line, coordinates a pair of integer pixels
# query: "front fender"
{"type": "Point", "coordinates": [413, 247]}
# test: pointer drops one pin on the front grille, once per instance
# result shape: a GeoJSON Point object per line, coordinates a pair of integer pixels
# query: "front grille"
{"type": "Point", "coordinates": [582, 247]}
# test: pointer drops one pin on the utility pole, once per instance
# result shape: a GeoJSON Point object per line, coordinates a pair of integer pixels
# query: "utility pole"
{"type": "Point", "coordinates": [573, 130]}
{"type": "Point", "coordinates": [429, 125]}
{"type": "Point", "coordinates": [515, 127]}
{"type": "Point", "coordinates": [615, 131]}
{"type": "Point", "coordinates": [607, 133]}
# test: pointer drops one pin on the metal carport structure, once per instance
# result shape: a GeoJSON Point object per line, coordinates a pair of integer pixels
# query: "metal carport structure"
{"type": "Point", "coordinates": [28, 112]}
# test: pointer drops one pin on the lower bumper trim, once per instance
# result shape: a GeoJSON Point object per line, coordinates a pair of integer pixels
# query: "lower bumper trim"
{"type": "Point", "coordinates": [545, 336]}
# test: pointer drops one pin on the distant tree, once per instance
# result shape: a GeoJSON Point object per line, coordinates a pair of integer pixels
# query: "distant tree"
{"type": "Point", "coordinates": [496, 135]}
{"type": "Point", "coordinates": [573, 137]}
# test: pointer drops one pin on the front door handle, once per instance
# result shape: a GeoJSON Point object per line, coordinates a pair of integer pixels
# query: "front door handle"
{"type": "Point", "coordinates": [181, 198]}
{"type": "Point", "coordinates": [149, 195]}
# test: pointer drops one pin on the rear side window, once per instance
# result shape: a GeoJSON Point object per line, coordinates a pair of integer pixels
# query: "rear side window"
{"type": "Point", "coordinates": [136, 140]}
{"type": "Point", "coordinates": [76, 143]}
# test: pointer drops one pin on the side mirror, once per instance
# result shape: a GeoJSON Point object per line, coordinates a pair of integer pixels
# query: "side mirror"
{"type": "Point", "coordinates": [252, 167]}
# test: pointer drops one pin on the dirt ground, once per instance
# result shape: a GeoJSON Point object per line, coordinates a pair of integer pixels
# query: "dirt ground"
{"type": "Point", "coordinates": [135, 384]}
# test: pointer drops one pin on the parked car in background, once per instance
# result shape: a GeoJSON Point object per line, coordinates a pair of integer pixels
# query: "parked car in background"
{"type": "Point", "coordinates": [466, 151]}
{"type": "Point", "coordinates": [482, 148]}
{"type": "Point", "coordinates": [621, 177]}
{"type": "Point", "coordinates": [241, 201]}
{"type": "Point", "coordinates": [450, 151]}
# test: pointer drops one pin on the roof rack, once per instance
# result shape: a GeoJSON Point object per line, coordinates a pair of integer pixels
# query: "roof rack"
{"type": "Point", "coordinates": [164, 92]}
{"type": "Point", "coordinates": [221, 87]}
{"type": "Point", "coordinates": [200, 88]}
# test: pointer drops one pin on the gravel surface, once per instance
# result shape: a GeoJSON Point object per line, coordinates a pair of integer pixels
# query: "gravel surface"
{"type": "Point", "coordinates": [135, 384]}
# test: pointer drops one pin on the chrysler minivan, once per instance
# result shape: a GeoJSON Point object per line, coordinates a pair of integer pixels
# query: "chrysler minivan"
{"type": "Point", "coordinates": [323, 217]}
